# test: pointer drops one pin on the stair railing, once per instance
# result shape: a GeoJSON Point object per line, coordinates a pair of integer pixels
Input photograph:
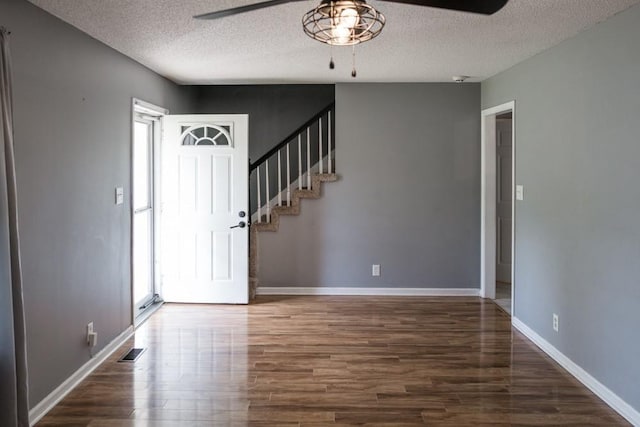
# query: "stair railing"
{"type": "Point", "coordinates": [305, 151]}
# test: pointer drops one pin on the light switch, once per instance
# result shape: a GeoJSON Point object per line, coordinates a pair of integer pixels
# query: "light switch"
{"type": "Point", "coordinates": [375, 270]}
{"type": "Point", "coordinates": [119, 195]}
{"type": "Point", "coordinates": [519, 192]}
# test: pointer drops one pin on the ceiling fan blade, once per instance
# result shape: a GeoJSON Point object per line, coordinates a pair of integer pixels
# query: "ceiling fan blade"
{"type": "Point", "coordinates": [242, 9]}
{"type": "Point", "coordinates": [485, 7]}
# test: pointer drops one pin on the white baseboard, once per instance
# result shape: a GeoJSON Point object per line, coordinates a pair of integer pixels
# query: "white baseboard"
{"type": "Point", "coordinates": [609, 397]}
{"type": "Point", "coordinates": [46, 404]}
{"type": "Point", "coordinates": [421, 292]}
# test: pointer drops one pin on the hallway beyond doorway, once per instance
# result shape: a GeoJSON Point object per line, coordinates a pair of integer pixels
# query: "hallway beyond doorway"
{"type": "Point", "coordinates": [503, 296]}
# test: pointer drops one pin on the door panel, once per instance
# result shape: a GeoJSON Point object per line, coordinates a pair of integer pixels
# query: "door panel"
{"type": "Point", "coordinates": [188, 184]}
{"type": "Point", "coordinates": [204, 188]}
{"type": "Point", "coordinates": [504, 199]}
{"type": "Point", "coordinates": [221, 172]}
{"type": "Point", "coordinates": [504, 244]}
{"type": "Point", "coordinates": [221, 244]}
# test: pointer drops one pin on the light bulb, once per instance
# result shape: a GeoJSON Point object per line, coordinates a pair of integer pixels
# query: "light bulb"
{"type": "Point", "coordinates": [348, 18]}
{"type": "Point", "coordinates": [340, 34]}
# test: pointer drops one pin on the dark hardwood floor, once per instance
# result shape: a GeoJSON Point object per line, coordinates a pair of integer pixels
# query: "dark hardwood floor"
{"type": "Point", "coordinates": [332, 361]}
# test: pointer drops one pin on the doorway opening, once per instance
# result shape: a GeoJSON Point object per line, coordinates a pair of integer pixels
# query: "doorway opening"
{"type": "Point", "coordinates": [144, 160]}
{"type": "Point", "coordinates": [498, 206]}
{"type": "Point", "coordinates": [504, 202]}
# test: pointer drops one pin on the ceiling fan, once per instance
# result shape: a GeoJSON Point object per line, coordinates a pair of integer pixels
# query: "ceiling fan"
{"type": "Point", "coordinates": [350, 22]}
{"type": "Point", "coordinates": [484, 7]}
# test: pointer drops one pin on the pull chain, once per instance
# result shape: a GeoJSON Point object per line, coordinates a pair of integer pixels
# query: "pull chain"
{"type": "Point", "coordinates": [332, 65]}
{"type": "Point", "coordinates": [353, 71]}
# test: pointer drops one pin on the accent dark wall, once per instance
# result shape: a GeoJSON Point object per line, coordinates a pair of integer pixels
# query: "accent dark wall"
{"type": "Point", "coordinates": [274, 110]}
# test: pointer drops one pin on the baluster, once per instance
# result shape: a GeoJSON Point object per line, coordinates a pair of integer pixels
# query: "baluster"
{"type": "Point", "coordinates": [299, 161]}
{"type": "Point", "coordinates": [329, 137]}
{"type": "Point", "coordinates": [266, 165]}
{"type": "Point", "coordinates": [279, 180]}
{"type": "Point", "coordinates": [320, 145]}
{"type": "Point", "coordinates": [259, 200]}
{"type": "Point", "coordinates": [308, 159]}
{"type": "Point", "coordinates": [288, 177]}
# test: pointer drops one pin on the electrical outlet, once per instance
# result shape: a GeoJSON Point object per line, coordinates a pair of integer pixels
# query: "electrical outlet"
{"type": "Point", "coordinates": [375, 270]}
{"type": "Point", "coordinates": [556, 323]}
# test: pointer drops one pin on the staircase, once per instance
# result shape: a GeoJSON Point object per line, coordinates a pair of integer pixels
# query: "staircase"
{"type": "Point", "coordinates": [294, 207]}
{"type": "Point", "coordinates": [293, 170]}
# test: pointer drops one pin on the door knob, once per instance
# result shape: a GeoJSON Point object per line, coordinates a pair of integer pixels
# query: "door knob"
{"type": "Point", "coordinates": [242, 214]}
{"type": "Point", "coordinates": [241, 224]}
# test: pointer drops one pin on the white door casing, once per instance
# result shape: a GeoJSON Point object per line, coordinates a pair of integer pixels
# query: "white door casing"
{"type": "Point", "coordinates": [204, 191]}
{"type": "Point", "coordinates": [488, 202]}
{"type": "Point", "coordinates": [504, 199]}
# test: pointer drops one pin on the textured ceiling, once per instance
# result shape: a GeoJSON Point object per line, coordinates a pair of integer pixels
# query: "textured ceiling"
{"type": "Point", "coordinates": [418, 44]}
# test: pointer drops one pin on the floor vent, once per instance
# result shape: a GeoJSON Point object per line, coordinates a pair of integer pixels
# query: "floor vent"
{"type": "Point", "coordinates": [132, 355]}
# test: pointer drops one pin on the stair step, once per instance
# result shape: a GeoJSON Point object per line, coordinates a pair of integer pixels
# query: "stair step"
{"type": "Point", "coordinates": [288, 207]}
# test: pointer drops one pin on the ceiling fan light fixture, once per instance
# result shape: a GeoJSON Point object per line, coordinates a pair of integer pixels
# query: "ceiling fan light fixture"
{"type": "Point", "coordinates": [343, 22]}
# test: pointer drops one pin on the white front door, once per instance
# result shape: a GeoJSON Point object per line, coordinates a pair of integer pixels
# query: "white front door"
{"type": "Point", "coordinates": [204, 193]}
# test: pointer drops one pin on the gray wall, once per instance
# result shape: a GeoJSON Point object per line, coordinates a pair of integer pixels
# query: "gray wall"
{"type": "Point", "coordinates": [275, 111]}
{"type": "Point", "coordinates": [577, 231]}
{"type": "Point", "coordinates": [72, 135]}
{"type": "Point", "coordinates": [408, 195]}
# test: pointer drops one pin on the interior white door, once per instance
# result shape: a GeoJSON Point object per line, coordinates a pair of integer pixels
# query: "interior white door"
{"type": "Point", "coordinates": [504, 147]}
{"type": "Point", "coordinates": [204, 211]}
